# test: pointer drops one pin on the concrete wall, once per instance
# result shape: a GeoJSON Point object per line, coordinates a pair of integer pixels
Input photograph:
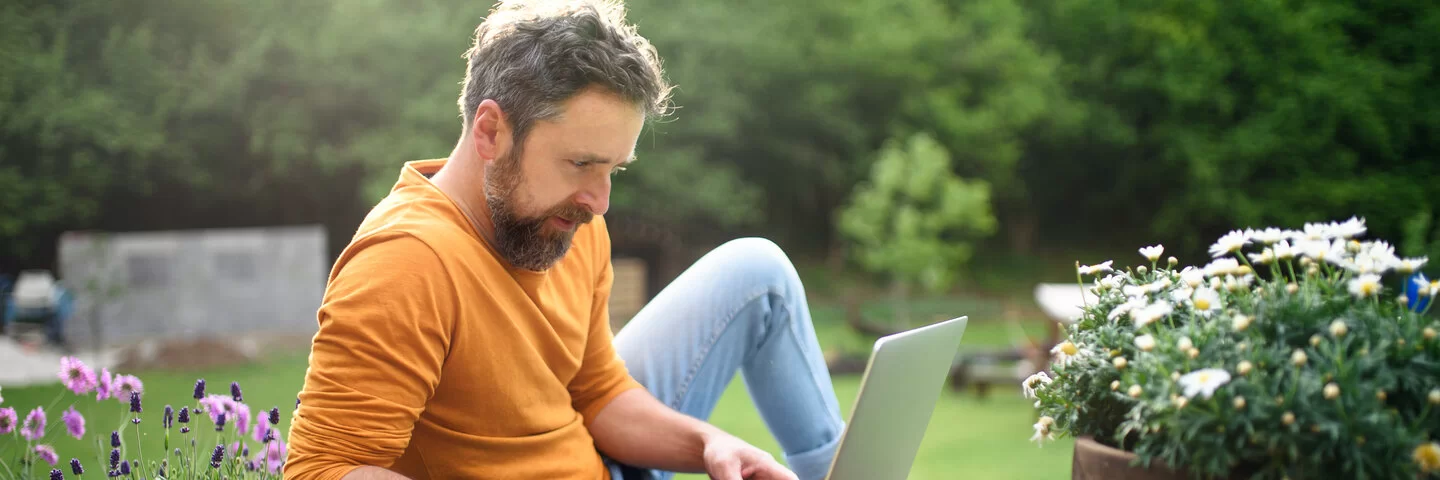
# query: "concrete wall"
{"type": "Point", "coordinates": [193, 284]}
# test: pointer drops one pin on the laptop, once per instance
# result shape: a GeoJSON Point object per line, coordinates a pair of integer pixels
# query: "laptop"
{"type": "Point", "coordinates": [898, 392]}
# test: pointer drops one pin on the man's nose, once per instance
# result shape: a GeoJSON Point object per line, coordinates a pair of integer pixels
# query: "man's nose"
{"type": "Point", "coordinates": [595, 197]}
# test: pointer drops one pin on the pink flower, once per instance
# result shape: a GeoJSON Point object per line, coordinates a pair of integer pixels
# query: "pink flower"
{"type": "Point", "coordinates": [275, 455]}
{"type": "Point", "coordinates": [124, 384]}
{"type": "Point", "coordinates": [77, 376]}
{"type": "Point", "coordinates": [34, 425]}
{"type": "Point", "coordinates": [74, 423]}
{"type": "Point", "coordinates": [242, 418]}
{"type": "Point", "coordinates": [47, 453]}
{"type": "Point", "coordinates": [104, 388]}
{"type": "Point", "coordinates": [7, 420]}
{"type": "Point", "coordinates": [259, 432]}
{"type": "Point", "coordinates": [218, 404]}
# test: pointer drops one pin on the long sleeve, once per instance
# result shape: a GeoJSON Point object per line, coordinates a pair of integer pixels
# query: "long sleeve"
{"type": "Point", "coordinates": [602, 374]}
{"type": "Point", "coordinates": [385, 328]}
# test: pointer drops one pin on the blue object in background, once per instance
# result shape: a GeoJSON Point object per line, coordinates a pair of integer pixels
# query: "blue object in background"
{"type": "Point", "coordinates": [1412, 292]}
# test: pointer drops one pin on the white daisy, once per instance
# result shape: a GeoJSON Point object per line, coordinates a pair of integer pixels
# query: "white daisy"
{"type": "Point", "coordinates": [1151, 313]}
{"type": "Point", "coordinates": [1203, 381]}
{"type": "Point", "coordinates": [1112, 281]}
{"type": "Point", "coordinates": [1318, 231]}
{"type": "Point", "coordinates": [1180, 295]}
{"type": "Point", "coordinates": [1207, 301]}
{"type": "Point", "coordinates": [1367, 285]}
{"type": "Point", "coordinates": [1153, 252]}
{"type": "Point", "coordinates": [1124, 308]}
{"type": "Point", "coordinates": [1284, 251]}
{"type": "Point", "coordinates": [1042, 430]}
{"type": "Point", "coordinates": [1351, 228]}
{"type": "Point", "coordinates": [1229, 243]}
{"type": "Point", "coordinates": [1094, 269]}
{"type": "Point", "coordinates": [1033, 383]}
{"type": "Point", "coordinates": [1264, 257]}
{"type": "Point", "coordinates": [1222, 266]}
{"type": "Point", "coordinates": [1321, 250]}
{"type": "Point", "coordinates": [1067, 352]}
{"type": "Point", "coordinates": [1267, 236]}
{"type": "Point", "coordinates": [1425, 287]}
{"type": "Point", "coordinates": [1192, 276]}
{"type": "Point", "coordinates": [1235, 284]}
{"type": "Point", "coordinates": [1410, 265]}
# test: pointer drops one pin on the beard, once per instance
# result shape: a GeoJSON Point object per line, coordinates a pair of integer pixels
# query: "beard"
{"type": "Point", "coordinates": [527, 242]}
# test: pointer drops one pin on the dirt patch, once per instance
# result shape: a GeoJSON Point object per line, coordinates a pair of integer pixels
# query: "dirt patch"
{"type": "Point", "coordinates": [202, 353]}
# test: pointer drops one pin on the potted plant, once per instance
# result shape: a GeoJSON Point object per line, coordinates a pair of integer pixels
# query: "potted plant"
{"type": "Point", "coordinates": [1291, 354]}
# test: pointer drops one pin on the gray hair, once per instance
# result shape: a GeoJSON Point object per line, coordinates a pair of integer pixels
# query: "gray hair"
{"type": "Point", "coordinates": [531, 56]}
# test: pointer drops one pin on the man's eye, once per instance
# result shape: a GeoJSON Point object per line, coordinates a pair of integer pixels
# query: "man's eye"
{"type": "Point", "coordinates": [579, 163]}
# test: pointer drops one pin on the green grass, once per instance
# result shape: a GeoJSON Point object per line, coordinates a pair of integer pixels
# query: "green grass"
{"type": "Point", "coordinates": [967, 437]}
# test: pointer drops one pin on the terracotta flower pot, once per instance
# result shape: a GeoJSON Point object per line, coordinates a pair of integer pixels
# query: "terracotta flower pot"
{"type": "Point", "coordinates": [1096, 461]}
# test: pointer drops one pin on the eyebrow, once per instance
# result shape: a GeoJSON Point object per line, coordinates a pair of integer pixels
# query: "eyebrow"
{"type": "Point", "coordinates": [596, 159]}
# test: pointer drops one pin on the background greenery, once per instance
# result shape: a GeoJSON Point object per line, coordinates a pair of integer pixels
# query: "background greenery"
{"type": "Point", "coordinates": [1088, 121]}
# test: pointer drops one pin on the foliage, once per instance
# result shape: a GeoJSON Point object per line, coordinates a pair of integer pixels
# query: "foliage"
{"type": "Point", "coordinates": [1296, 359]}
{"type": "Point", "coordinates": [223, 420]}
{"type": "Point", "coordinates": [914, 219]}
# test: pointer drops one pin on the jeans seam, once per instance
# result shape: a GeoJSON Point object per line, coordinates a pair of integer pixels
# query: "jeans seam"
{"type": "Point", "coordinates": [699, 360]}
{"type": "Point", "coordinates": [795, 338]}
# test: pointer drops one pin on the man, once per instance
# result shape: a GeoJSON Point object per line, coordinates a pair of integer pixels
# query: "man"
{"type": "Point", "coordinates": [464, 331]}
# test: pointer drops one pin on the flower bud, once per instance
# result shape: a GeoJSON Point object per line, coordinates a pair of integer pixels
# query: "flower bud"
{"type": "Point", "coordinates": [1141, 270]}
{"type": "Point", "coordinates": [1429, 333]}
{"type": "Point", "coordinates": [1331, 391]}
{"type": "Point", "coordinates": [1434, 397]}
{"type": "Point", "coordinates": [1120, 363]}
{"type": "Point", "coordinates": [1239, 403]}
{"type": "Point", "coordinates": [1288, 418]}
{"type": "Point", "coordinates": [1194, 352]}
{"type": "Point", "coordinates": [1180, 402]}
{"type": "Point", "coordinates": [1306, 261]}
{"type": "Point", "coordinates": [1135, 391]}
{"type": "Point", "coordinates": [1244, 367]}
{"type": "Point", "coordinates": [1174, 376]}
{"type": "Point", "coordinates": [1115, 385]}
{"type": "Point", "coordinates": [1380, 395]}
{"type": "Point", "coordinates": [1244, 270]}
{"type": "Point", "coordinates": [1240, 322]}
{"type": "Point", "coordinates": [1312, 270]}
{"type": "Point", "coordinates": [1174, 261]}
{"type": "Point", "coordinates": [1402, 300]}
{"type": "Point", "coordinates": [1291, 288]}
{"type": "Point", "coordinates": [1145, 342]}
{"type": "Point", "coordinates": [1298, 357]}
{"type": "Point", "coordinates": [1338, 328]}
{"type": "Point", "coordinates": [1185, 344]}
{"type": "Point", "coordinates": [1314, 340]}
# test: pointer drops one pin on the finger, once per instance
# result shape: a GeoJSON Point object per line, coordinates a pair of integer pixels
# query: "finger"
{"type": "Point", "coordinates": [726, 470]}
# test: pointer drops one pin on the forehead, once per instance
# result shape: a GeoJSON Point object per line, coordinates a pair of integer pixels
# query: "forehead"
{"type": "Point", "coordinates": [592, 123]}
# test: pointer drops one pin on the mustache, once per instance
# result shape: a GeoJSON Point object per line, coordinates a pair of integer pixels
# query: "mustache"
{"type": "Point", "coordinates": [572, 213]}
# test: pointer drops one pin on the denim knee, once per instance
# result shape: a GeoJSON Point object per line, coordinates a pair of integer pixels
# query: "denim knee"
{"type": "Point", "coordinates": [762, 262]}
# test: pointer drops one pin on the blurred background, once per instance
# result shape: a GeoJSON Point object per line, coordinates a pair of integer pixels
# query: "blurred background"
{"type": "Point", "coordinates": [176, 177]}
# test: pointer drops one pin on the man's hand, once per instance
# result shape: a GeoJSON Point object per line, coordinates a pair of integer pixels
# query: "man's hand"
{"type": "Point", "coordinates": [729, 458]}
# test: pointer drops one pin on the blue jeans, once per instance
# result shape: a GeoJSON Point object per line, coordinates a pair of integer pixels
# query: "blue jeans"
{"type": "Point", "coordinates": [741, 308]}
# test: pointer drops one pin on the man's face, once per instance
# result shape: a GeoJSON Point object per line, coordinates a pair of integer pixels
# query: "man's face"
{"type": "Point", "coordinates": [561, 177]}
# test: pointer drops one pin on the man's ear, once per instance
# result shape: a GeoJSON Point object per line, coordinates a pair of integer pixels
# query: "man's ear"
{"type": "Point", "coordinates": [490, 131]}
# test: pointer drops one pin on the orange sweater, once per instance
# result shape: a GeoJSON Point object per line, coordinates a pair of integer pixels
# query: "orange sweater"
{"type": "Point", "coordinates": [436, 359]}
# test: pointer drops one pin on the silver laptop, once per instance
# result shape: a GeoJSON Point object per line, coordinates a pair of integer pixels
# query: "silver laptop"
{"type": "Point", "coordinates": [902, 383]}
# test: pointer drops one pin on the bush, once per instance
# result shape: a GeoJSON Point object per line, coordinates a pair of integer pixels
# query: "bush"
{"type": "Point", "coordinates": [1296, 359]}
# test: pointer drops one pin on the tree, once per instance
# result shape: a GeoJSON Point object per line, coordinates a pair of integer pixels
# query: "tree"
{"type": "Point", "coordinates": [915, 219]}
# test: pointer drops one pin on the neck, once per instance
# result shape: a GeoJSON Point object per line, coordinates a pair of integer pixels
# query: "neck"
{"type": "Point", "coordinates": [463, 180]}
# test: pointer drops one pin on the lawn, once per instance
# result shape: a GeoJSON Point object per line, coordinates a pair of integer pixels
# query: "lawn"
{"type": "Point", "coordinates": [968, 437]}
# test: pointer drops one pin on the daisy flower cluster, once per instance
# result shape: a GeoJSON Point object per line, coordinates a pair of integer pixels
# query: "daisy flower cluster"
{"type": "Point", "coordinates": [1287, 354]}
{"type": "Point", "coordinates": [232, 427]}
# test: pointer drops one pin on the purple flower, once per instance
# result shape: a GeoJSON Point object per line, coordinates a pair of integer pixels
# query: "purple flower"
{"type": "Point", "coordinates": [200, 389]}
{"type": "Point", "coordinates": [7, 420]}
{"type": "Point", "coordinates": [184, 416]}
{"type": "Point", "coordinates": [47, 453]}
{"type": "Point", "coordinates": [125, 467]}
{"type": "Point", "coordinates": [275, 455]}
{"type": "Point", "coordinates": [220, 422]}
{"type": "Point", "coordinates": [217, 456]}
{"type": "Point", "coordinates": [260, 431]}
{"type": "Point", "coordinates": [56, 474]}
{"type": "Point", "coordinates": [235, 391]}
{"type": "Point", "coordinates": [114, 458]}
{"type": "Point", "coordinates": [75, 467]}
{"type": "Point", "coordinates": [77, 376]}
{"type": "Point", "coordinates": [184, 429]}
{"type": "Point", "coordinates": [34, 425]}
{"type": "Point", "coordinates": [169, 418]}
{"type": "Point", "coordinates": [114, 439]}
{"type": "Point", "coordinates": [274, 415]}
{"type": "Point", "coordinates": [134, 402]}
{"type": "Point", "coordinates": [74, 423]}
{"type": "Point", "coordinates": [242, 418]}
{"type": "Point", "coordinates": [125, 385]}
{"type": "Point", "coordinates": [216, 405]}
{"type": "Point", "coordinates": [105, 388]}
